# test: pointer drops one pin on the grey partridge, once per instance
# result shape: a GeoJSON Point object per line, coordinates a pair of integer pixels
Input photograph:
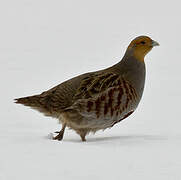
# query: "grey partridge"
{"type": "Point", "coordinates": [97, 100]}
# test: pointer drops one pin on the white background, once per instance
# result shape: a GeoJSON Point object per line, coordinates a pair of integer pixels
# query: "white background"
{"type": "Point", "coordinates": [43, 43]}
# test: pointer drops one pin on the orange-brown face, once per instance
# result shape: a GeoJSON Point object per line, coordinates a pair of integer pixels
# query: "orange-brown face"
{"type": "Point", "coordinates": [141, 46]}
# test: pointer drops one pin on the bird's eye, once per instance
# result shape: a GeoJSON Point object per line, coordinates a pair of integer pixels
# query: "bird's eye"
{"type": "Point", "coordinates": [142, 42]}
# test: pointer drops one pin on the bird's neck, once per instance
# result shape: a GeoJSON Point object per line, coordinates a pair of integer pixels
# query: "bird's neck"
{"type": "Point", "coordinates": [134, 71]}
{"type": "Point", "coordinates": [135, 55]}
{"type": "Point", "coordinates": [129, 64]}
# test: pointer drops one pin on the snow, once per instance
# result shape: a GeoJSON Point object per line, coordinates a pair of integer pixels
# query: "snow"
{"type": "Point", "coordinates": [43, 43]}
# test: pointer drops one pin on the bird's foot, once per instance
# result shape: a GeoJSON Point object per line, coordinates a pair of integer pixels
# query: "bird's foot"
{"type": "Point", "coordinates": [59, 137]}
{"type": "Point", "coordinates": [60, 134]}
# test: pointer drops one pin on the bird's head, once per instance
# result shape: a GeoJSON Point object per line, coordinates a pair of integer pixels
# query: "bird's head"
{"type": "Point", "coordinates": [140, 46]}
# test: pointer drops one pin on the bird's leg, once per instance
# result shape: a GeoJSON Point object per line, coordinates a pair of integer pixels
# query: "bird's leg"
{"type": "Point", "coordinates": [82, 135]}
{"type": "Point", "coordinates": [60, 134]}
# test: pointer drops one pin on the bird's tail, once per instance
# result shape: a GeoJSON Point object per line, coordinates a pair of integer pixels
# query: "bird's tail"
{"type": "Point", "coordinates": [32, 101]}
{"type": "Point", "coordinates": [36, 102]}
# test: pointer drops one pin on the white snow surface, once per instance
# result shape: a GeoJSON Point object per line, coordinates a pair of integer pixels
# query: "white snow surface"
{"type": "Point", "coordinates": [43, 43]}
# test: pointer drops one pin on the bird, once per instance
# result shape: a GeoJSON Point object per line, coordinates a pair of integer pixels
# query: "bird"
{"type": "Point", "coordinates": [97, 100]}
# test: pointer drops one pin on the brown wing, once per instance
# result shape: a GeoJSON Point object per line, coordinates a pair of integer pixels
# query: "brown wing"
{"type": "Point", "coordinates": [93, 85]}
{"type": "Point", "coordinates": [81, 87]}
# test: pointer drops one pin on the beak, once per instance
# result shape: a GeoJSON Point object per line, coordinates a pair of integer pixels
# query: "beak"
{"type": "Point", "coordinates": [154, 43]}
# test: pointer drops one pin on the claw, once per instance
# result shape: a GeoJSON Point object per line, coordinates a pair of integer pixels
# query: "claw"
{"type": "Point", "coordinates": [57, 132]}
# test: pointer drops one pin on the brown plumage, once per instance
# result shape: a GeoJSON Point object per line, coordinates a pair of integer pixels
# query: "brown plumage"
{"type": "Point", "coordinates": [97, 100]}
